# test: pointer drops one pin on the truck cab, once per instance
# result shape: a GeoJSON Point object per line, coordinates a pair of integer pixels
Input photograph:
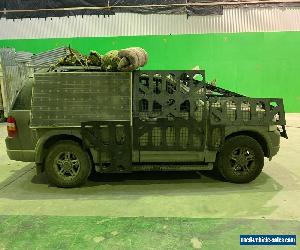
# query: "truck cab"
{"type": "Point", "coordinates": [70, 122]}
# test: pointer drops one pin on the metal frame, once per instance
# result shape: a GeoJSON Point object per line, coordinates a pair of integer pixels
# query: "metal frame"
{"type": "Point", "coordinates": [219, 115]}
{"type": "Point", "coordinates": [120, 153]}
{"type": "Point", "coordinates": [154, 87]}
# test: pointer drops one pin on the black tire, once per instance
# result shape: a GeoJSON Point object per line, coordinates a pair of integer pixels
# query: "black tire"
{"type": "Point", "coordinates": [216, 171]}
{"type": "Point", "coordinates": [67, 164]}
{"type": "Point", "coordinates": [241, 159]}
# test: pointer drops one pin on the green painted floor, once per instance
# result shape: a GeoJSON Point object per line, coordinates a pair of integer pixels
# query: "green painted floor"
{"type": "Point", "coordinates": [81, 232]}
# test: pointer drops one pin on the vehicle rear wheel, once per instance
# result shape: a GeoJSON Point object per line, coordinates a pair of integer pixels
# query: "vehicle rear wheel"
{"type": "Point", "coordinates": [67, 164]}
{"type": "Point", "coordinates": [241, 159]}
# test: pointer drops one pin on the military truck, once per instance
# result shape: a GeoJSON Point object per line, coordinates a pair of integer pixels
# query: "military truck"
{"type": "Point", "coordinates": [74, 121]}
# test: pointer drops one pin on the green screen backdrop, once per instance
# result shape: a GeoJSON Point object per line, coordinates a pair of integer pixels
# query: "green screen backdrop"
{"type": "Point", "coordinates": [254, 64]}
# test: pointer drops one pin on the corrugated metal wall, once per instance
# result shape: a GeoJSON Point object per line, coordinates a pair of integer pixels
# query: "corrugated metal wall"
{"type": "Point", "coordinates": [233, 20]}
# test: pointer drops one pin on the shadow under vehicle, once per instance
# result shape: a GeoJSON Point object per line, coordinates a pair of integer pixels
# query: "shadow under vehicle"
{"type": "Point", "coordinates": [73, 121]}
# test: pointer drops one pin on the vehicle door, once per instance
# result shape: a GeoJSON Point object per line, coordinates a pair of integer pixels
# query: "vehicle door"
{"type": "Point", "coordinates": [169, 116]}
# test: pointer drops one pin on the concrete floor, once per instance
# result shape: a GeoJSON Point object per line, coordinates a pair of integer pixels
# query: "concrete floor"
{"type": "Point", "coordinates": [273, 196]}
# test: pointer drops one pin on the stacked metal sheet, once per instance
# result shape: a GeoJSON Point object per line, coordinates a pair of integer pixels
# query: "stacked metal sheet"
{"type": "Point", "coordinates": [43, 61]}
{"type": "Point", "coordinates": [23, 57]}
{"type": "Point", "coordinates": [15, 70]}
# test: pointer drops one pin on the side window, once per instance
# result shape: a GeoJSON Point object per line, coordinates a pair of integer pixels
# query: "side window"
{"type": "Point", "coordinates": [23, 100]}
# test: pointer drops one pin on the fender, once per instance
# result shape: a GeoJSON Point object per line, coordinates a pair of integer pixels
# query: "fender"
{"type": "Point", "coordinates": [262, 132]}
{"type": "Point", "coordinates": [39, 149]}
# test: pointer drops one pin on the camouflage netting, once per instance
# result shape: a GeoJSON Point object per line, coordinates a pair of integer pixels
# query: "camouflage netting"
{"type": "Point", "coordinates": [115, 60]}
{"type": "Point", "coordinates": [73, 59]}
{"type": "Point", "coordinates": [110, 61]}
{"type": "Point", "coordinates": [94, 59]}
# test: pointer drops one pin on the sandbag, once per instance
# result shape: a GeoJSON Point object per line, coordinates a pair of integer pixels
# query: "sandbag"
{"type": "Point", "coordinates": [132, 58]}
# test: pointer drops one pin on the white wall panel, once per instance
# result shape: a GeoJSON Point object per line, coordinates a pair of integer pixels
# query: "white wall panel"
{"type": "Point", "coordinates": [233, 20]}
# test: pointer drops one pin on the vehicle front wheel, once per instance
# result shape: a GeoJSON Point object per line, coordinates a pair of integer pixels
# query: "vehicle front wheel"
{"type": "Point", "coordinates": [67, 164]}
{"type": "Point", "coordinates": [241, 159]}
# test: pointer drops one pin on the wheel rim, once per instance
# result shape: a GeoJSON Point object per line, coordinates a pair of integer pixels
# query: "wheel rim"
{"type": "Point", "coordinates": [67, 165]}
{"type": "Point", "coordinates": [242, 161]}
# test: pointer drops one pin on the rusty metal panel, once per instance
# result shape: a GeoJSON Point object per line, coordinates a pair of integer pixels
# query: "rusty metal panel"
{"type": "Point", "coordinates": [68, 99]}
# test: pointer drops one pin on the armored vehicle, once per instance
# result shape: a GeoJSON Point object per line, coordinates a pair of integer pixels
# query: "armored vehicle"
{"type": "Point", "coordinates": [72, 121]}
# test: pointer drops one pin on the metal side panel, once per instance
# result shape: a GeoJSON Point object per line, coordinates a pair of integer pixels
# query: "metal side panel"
{"type": "Point", "coordinates": [70, 98]}
{"type": "Point", "coordinates": [242, 111]}
{"type": "Point", "coordinates": [113, 142]}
